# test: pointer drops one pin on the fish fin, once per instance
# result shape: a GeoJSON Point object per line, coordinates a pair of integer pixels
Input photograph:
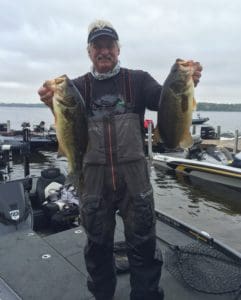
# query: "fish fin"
{"type": "Point", "coordinates": [156, 136]}
{"type": "Point", "coordinates": [75, 179]}
{"type": "Point", "coordinates": [60, 152]}
{"type": "Point", "coordinates": [194, 104]}
{"type": "Point", "coordinates": [187, 140]}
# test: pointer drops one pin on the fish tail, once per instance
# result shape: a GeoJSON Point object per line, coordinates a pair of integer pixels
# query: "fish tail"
{"type": "Point", "coordinates": [75, 179]}
{"type": "Point", "coordinates": [187, 140]}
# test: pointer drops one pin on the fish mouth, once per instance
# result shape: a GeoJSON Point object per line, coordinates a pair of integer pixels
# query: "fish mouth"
{"type": "Point", "coordinates": [187, 66]}
{"type": "Point", "coordinates": [57, 81]}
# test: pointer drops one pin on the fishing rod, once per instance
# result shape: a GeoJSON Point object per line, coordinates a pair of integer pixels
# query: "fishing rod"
{"type": "Point", "coordinates": [25, 149]}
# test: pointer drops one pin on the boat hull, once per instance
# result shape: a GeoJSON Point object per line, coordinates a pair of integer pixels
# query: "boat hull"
{"type": "Point", "coordinates": [215, 173]}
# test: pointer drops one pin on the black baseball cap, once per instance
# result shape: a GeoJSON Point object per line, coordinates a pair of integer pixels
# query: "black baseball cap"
{"type": "Point", "coordinates": [105, 31]}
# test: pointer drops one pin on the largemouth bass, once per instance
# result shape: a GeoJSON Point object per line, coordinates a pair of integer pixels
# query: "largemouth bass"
{"type": "Point", "coordinates": [71, 125]}
{"type": "Point", "coordinates": [176, 106]}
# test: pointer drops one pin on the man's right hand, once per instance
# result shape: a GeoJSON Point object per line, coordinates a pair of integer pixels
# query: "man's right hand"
{"type": "Point", "coordinates": [46, 95]}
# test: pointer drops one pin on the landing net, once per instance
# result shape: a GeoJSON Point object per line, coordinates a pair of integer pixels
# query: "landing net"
{"type": "Point", "coordinates": [204, 269]}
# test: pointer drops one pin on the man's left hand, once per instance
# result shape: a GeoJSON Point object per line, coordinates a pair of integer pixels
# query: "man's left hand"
{"type": "Point", "coordinates": [197, 73]}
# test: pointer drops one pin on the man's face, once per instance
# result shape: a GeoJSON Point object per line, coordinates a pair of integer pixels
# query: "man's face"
{"type": "Point", "coordinates": [104, 52]}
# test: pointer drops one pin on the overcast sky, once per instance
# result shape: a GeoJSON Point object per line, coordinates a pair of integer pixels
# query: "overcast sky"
{"type": "Point", "coordinates": [41, 40]}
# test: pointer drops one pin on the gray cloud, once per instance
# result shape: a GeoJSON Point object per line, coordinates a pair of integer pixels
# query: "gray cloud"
{"type": "Point", "coordinates": [41, 40]}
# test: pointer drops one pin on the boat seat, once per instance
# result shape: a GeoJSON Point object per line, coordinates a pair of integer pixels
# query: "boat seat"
{"type": "Point", "coordinates": [47, 176]}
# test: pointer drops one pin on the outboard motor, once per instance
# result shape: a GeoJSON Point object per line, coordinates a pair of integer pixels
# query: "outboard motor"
{"type": "Point", "coordinates": [208, 132]}
{"type": "Point", "coordinates": [15, 208]}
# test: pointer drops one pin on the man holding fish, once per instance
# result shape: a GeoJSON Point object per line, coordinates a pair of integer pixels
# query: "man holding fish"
{"type": "Point", "coordinates": [105, 151]}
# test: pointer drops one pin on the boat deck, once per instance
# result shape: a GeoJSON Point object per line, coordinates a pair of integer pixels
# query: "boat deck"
{"type": "Point", "coordinates": [52, 267]}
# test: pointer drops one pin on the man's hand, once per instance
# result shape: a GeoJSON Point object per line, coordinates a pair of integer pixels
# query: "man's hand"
{"type": "Point", "coordinates": [197, 69]}
{"type": "Point", "coordinates": [197, 73]}
{"type": "Point", "coordinates": [46, 95]}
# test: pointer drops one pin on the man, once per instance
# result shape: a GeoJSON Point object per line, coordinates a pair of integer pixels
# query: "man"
{"type": "Point", "coordinates": [115, 169]}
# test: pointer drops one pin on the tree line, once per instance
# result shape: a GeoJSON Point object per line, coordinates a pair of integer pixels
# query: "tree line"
{"type": "Point", "coordinates": [22, 104]}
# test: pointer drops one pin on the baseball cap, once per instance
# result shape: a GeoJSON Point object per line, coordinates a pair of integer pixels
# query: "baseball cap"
{"type": "Point", "coordinates": [105, 31]}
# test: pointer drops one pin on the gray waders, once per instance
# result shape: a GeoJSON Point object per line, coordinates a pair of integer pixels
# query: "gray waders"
{"type": "Point", "coordinates": [116, 178]}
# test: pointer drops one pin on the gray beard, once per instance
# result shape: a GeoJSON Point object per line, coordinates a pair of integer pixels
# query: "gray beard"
{"type": "Point", "coordinates": [102, 76]}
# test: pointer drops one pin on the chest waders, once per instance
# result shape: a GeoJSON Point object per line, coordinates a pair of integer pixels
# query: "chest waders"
{"type": "Point", "coordinates": [116, 178]}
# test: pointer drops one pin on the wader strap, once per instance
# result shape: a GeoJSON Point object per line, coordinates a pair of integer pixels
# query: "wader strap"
{"type": "Point", "coordinates": [87, 82]}
{"type": "Point", "coordinates": [127, 86]}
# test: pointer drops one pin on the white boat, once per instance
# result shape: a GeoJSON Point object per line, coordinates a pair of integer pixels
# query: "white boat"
{"type": "Point", "coordinates": [216, 173]}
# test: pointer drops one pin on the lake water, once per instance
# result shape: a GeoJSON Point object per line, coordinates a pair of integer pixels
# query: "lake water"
{"type": "Point", "coordinates": [18, 115]}
{"type": "Point", "coordinates": [229, 121]}
{"type": "Point", "coordinates": [205, 207]}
